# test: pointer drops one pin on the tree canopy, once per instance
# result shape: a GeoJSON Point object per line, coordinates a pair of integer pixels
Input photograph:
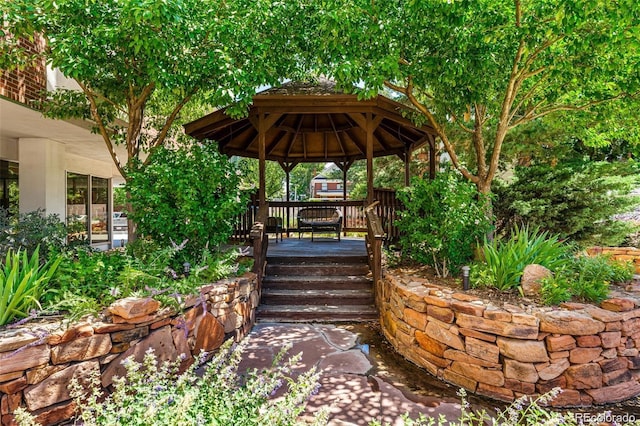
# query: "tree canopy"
{"type": "Point", "coordinates": [478, 69]}
{"type": "Point", "coordinates": [139, 62]}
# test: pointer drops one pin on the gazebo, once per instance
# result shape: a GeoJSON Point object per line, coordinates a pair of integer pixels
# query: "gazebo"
{"type": "Point", "coordinates": [313, 122]}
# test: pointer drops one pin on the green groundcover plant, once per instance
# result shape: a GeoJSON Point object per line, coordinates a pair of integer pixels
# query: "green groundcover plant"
{"type": "Point", "coordinates": [505, 259]}
{"type": "Point", "coordinates": [153, 394]}
{"type": "Point", "coordinates": [22, 282]}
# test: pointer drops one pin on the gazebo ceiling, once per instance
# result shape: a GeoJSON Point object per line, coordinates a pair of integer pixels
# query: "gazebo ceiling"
{"type": "Point", "coordinates": [313, 123]}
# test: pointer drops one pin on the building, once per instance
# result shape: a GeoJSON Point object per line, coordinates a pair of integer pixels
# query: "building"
{"type": "Point", "coordinates": [56, 165]}
{"type": "Point", "coordinates": [323, 188]}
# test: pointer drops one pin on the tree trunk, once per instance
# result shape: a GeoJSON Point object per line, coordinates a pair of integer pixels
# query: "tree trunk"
{"type": "Point", "coordinates": [484, 191]}
{"type": "Point", "coordinates": [132, 227]}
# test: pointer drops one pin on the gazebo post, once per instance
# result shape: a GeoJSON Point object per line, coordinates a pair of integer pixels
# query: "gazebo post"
{"type": "Point", "coordinates": [344, 166]}
{"type": "Point", "coordinates": [288, 167]}
{"type": "Point", "coordinates": [370, 129]}
{"type": "Point", "coordinates": [262, 158]}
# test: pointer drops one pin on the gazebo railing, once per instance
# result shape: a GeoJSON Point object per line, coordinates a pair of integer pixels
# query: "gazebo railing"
{"type": "Point", "coordinates": [353, 213]}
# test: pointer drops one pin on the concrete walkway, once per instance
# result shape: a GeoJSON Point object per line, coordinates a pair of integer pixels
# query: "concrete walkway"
{"type": "Point", "coordinates": [349, 386]}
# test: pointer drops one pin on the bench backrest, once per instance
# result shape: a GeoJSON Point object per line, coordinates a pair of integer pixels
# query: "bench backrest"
{"type": "Point", "coordinates": [329, 214]}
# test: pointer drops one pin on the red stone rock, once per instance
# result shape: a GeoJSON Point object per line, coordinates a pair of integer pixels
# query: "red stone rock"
{"type": "Point", "coordinates": [103, 328]}
{"type": "Point", "coordinates": [433, 359]}
{"type": "Point", "coordinates": [520, 387]}
{"type": "Point", "coordinates": [493, 313]}
{"type": "Point", "coordinates": [609, 365]}
{"type": "Point", "coordinates": [445, 315]}
{"type": "Point", "coordinates": [560, 343]}
{"type": "Point", "coordinates": [568, 398]}
{"type": "Point", "coordinates": [500, 393]}
{"type": "Point", "coordinates": [554, 370]}
{"type": "Point", "coordinates": [626, 316]}
{"type": "Point", "coordinates": [74, 332]}
{"type": "Point", "coordinates": [430, 344]}
{"type": "Point", "coordinates": [590, 341]}
{"type": "Point", "coordinates": [81, 349]}
{"type": "Point", "coordinates": [525, 319]}
{"type": "Point", "coordinates": [584, 376]}
{"type": "Point", "coordinates": [544, 386]}
{"type": "Point", "coordinates": [584, 355]}
{"type": "Point", "coordinates": [482, 350]}
{"type": "Point", "coordinates": [464, 297]}
{"type": "Point", "coordinates": [24, 359]}
{"type": "Point", "coordinates": [618, 304]}
{"type": "Point", "coordinates": [134, 307]}
{"type": "Point", "coordinates": [569, 322]}
{"type": "Point", "coordinates": [574, 306]}
{"type": "Point", "coordinates": [558, 355]}
{"type": "Point", "coordinates": [478, 374]}
{"type": "Point", "coordinates": [467, 308]}
{"type": "Point", "coordinates": [630, 327]}
{"type": "Point", "coordinates": [209, 334]}
{"type": "Point", "coordinates": [455, 355]}
{"type": "Point", "coordinates": [531, 280]}
{"type": "Point", "coordinates": [467, 332]}
{"type": "Point", "coordinates": [14, 386]}
{"type": "Point", "coordinates": [10, 376]}
{"type": "Point", "coordinates": [130, 335]}
{"type": "Point", "coordinates": [53, 389]}
{"type": "Point", "coordinates": [437, 301]}
{"type": "Point", "coordinates": [158, 324]}
{"type": "Point", "coordinates": [616, 377]}
{"type": "Point", "coordinates": [610, 339]}
{"type": "Point", "coordinates": [522, 371]}
{"type": "Point", "coordinates": [163, 348]}
{"type": "Point", "coordinates": [633, 362]}
{"type": "Point", "coordinates": [415, 319]}
{"type": "Point", "coordinates": [603, 315]}
{"type": "Point", "coordinates": [496, 327]}
{"type": "Point", "coordinates": [459, 380]}
{"type": "Point", "coordinates": [613, 326]}
{"type": "Point", "coordinates": [37, 375]}
{"type": "Point", "coordinates": [57, 414]}
{"type": "Point", "coordinates": [443, 335]}
{"type": "Point", "coordinates": [523, 350]}
{"type": "Point", "coordinates": [615, 393]}
{"type": "Point", "coordinates": [10, 403]}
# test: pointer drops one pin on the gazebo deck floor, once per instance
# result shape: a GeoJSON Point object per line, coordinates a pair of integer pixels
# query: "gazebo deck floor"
{"type": "Point", "coordinates": [320, 248]}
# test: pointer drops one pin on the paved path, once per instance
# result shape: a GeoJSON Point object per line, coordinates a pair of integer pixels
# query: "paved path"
{"type": "Point", "coordinates": [349, 386]}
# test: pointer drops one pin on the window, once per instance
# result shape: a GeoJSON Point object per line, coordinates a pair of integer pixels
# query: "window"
{"type": "Point", "coordinates": [9, 186]}
{"type": "Point", "coordinates": [88, 208]}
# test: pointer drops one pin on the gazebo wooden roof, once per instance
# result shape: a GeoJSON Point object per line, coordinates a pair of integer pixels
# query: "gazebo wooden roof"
{"type": "Point", "coordinates": [303, 122]}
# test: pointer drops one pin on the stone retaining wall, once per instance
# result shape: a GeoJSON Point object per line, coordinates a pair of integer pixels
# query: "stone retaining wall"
{"type": "Point", "coordinates": [628, 254]}
{"type": "Point", "coordinates": [38, 361]}
{"type": "Point", "coordinates": [504, 351]}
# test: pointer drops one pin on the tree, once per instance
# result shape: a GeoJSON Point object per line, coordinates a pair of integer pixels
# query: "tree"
{"type": "Point", "coordinates": [274, 185]}
{"type": "Point", "coordinates": [477, 70]}
{"type": "Point", "coordinates": [139, 62]}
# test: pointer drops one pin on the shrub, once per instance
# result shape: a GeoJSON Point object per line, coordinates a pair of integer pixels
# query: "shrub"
{"type": "Point", "coordinates": [22, 282]}
{"type": "Point", "coordinates": [506, 259]}
{"type": "Point", "coordinates": [442, 222]}
{"type": "Point", "coordinates": [586, 278]}
{"type": "Point", "coordinates": [188, 193]}
{"type": "Point", "coordinates": [153, 394]}
{"type": "Point", "coordinates": [31, 230]}
{"type": "Point", "coordinates": [573, 199]}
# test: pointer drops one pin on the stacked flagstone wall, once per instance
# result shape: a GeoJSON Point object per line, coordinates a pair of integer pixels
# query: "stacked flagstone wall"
{"type": "Point", "coordinates": [37, 361]}
{"type": "Point", "coordinates": [627, 254]}
{"type": "Point", "coordinates": [505, 351]}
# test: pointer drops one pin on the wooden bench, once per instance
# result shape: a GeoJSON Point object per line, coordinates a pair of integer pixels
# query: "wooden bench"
{"type": "Point", "coordinates": [319, 219]}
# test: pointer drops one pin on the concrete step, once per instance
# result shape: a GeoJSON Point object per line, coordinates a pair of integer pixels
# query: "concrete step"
{"type": "Point", "coordinates": [325, 313]}
{"type": "Point", "coordinates": [317, 269]}
{"type": "Point", "coordinates": [305, 282]}
{"type": "Point", "coordinates": [317, 297]}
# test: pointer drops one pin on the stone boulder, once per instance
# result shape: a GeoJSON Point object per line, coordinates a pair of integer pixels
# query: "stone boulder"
{"type": "Point", "coordinates": [531, 281]}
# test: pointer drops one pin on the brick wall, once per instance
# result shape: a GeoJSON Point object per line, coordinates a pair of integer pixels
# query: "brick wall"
{"type": "Point", "coordinates": [25, 85]}
{"type": "Point", "coordinates": [626, 254]}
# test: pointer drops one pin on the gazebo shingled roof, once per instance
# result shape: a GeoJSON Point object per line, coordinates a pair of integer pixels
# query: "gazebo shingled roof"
{"type": "Point", "coordinates": [314, 122]}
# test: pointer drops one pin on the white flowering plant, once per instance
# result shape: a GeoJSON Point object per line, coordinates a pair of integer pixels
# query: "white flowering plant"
{"type": "Point", "coordinates": [211, 393]}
